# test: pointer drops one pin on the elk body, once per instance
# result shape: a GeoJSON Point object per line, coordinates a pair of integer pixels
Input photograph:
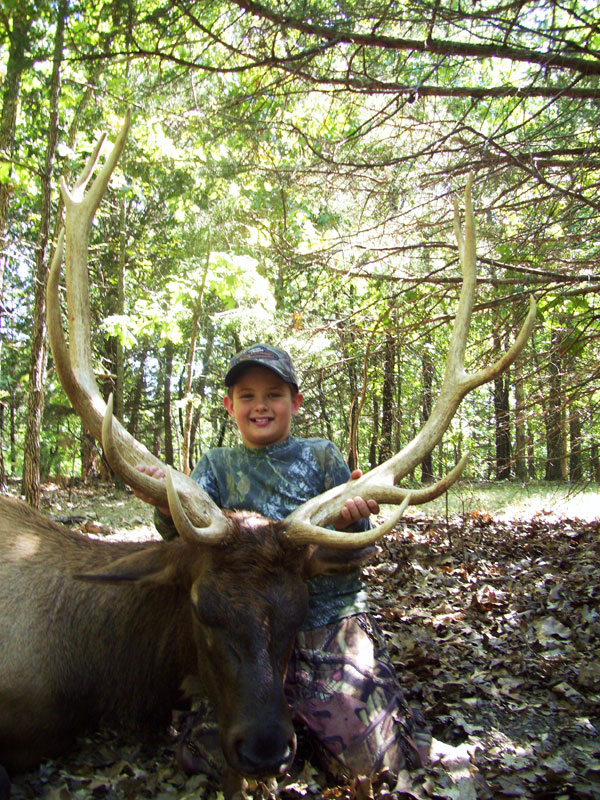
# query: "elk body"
{"type": "Point", "coordinates": [116, 647]}
{"type": "Point", "coordinates": [98, 632]}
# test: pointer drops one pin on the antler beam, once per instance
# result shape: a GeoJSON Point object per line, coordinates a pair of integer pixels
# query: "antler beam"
{"type": "Point", "coordinates": [74, 362]}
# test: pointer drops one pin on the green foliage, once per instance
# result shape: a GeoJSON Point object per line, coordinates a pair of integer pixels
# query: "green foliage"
{"type": "Point", "coordinates": [289, 179]}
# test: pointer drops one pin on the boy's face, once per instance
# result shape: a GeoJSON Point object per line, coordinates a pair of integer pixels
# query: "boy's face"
{"type": "Point", "coordinates": [262, 406]}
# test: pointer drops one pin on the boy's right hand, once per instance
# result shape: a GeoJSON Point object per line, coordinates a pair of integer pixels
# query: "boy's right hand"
{"type": "Point", "coordinates": [159, 474]}
{"type": "Point", "coordinates": [355, 509]}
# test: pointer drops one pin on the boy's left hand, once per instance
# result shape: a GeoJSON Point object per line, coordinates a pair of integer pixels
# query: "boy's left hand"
{"type": "Point", "coordinates": [355, 509]}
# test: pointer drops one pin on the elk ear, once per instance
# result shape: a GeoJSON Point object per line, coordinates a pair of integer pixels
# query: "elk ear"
{"type": "Point", "coordinates": [152, 565]}
{"type": "Point", "coordinates": [331, 561]}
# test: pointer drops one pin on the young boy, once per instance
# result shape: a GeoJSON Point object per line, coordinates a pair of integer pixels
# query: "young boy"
{"type": "Point", "coordinates": [340, 682]}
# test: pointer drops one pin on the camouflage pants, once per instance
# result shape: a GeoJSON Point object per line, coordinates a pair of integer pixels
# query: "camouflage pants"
{"type": "Point", "coordinates": [342, 687]}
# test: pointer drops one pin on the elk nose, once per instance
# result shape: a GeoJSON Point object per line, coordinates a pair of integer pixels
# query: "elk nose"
{"type": "Point", "coordinates": [265, 753]}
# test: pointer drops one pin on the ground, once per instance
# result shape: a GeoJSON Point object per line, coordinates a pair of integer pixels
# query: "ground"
{"type": "Point", "coordinates": [493, 623]}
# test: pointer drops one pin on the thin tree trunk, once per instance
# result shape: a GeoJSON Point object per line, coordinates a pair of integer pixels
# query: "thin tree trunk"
{"type": "Point", "coordinates": [374, 435]}
{"type": "Point", "coordinates": [119, 388]}
{"type": "Point", "coordinates": [352, 458]}
{"type": "Point", "coordinates": [520, 429]}
{"type": "Point", "coordinates": [135, 401]}
{"type": "Point", "coordinates": [37, 368]}
{"type": "Point", "coordinates": [387, 401]}
{"type": "Point", "coordinates": [2, 466]}
{"type": "Point", "coordinates": [324, 407]}
{"type": "Point", "coordinates": [594, 462]}
{"type": "Point", "coordinates": [21, 19]}
{"type": "Point", "coordinates": [166, 404]}
{"type": "Point", "coordinates": [575, 465]}
{"type": "Point", "coordinates": [564, 423]}
{"type": "Point", "coordinates": [187, 395]}
{"type": "Point", "coordinates": [426, 400]}
{"type": "Point", "coordinates": [398, 416]}
{"type": "Point", "coordinates": [554, 415]}
{"type": "Point", "coordinates": [502, 424]}
{"type": "Point", "coordinates": [191, 355]}
{"type": "Point", "coordinates": [501, 421]}
{"type": "Point", "coordinates": [88, 454]}
{"type": "Point", "coordinates": [199, 391]}
{"type": "Point", "coordinates": [13, 440]}
{"type": "Point", "coordinates": [531, 469]}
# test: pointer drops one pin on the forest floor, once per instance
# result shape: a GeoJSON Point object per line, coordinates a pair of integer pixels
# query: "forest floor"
{"type": "Point", "coordinates": [493, 624]}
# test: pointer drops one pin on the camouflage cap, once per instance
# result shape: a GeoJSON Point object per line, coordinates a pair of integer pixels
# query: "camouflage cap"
{"type": "Point", "coordinates": [262, 355]}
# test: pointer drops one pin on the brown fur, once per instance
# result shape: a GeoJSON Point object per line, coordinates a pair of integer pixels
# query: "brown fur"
{"type": "Point", "coordinates": [114, 644]}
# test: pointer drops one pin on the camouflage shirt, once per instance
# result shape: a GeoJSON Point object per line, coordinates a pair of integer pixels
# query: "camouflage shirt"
{"type": "Point", "coordinates": [273, 481]}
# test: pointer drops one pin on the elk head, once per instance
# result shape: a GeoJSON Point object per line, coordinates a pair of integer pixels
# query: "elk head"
{"type": "Point", "coordinates": [198, 520]}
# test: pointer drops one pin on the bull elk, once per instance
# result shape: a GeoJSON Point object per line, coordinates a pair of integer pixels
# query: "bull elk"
{"type": "Point", "coordinates": [97, 632]}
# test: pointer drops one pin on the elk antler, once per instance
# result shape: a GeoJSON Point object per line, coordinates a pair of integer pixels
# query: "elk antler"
{"type": "Point", "coordinates": [73, 363]}
{"type": "Point", "coordinates": [307, 523]}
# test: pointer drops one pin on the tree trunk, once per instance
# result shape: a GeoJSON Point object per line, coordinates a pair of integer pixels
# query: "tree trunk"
{"type": "Point", "coordinates": [21, 19]}
{"type": "Point", "coordinates": [37, 364]}
{"type": "Point", "coordinates": [398, 416]}
{"type": "Point", "coordinates": [502, 421]}
{"type": "Point", "coordinates": [354, 410]}
{"type": "Point", "coordinates": [427, 371]}
{"type": "Point", "coordinates": [2, 467]}
{"type": "Point", "coordinates": [564, 461]}
{"type": "Point", "coordinates": [594, 462]}
{"type": "Point", "coordinates": [166, 404]}
{"type": "Point", "coordinates": [13, 440]}
{"type": "Point", "coordinates": [352, 458]}
{"type": "Point", "coordinates": [387, 401]}
{"type": "Point", "coordinates": [575, 466]}
{"type": "Point", "coordinates": [186, 460]}
{"type": "Point", "coordinates": [199, 391]}
{"type": "Point", "coordinates": [531, 469]}
{"type": "Point", "coordinates": [119, 405]}
{"type": "Point", "coordinates": [88, 454]}
{"type": "Point", "coordinates": [520, 428]}
{"type": "Point", "coordinates": [554, 415]}
{"type": "Point", "coordinates": [135, 401]}
{"type": "Point", "coordinates": [324, 407]}
{"type": "Point", "coordinates": [374, 435]}
{"type": "Point", "coordinates": [187, 396]}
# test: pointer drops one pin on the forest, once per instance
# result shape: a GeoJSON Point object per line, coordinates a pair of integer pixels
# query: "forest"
{"type": "Point", "coordinates": [289, 178]}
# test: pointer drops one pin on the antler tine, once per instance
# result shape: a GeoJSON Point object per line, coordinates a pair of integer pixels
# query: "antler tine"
{"type": "Point", "coordinates": [307, 532]}
{"type": "Point", "coordinates": [80, 208]}
{"type": "Point", "coordinates": [73, 363]}
{"type": "Point", "coordinates": [308, 526]}
{"type": "Point", "coordinates": [379, 483]}
{"type": "Point", "coordinates": [216, 531]}
{"type": "Point", "coordinates": [90, 165]}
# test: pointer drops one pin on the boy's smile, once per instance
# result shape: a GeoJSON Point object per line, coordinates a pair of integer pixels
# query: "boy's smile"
{"type": "Point", "coordinates": [262, 405]}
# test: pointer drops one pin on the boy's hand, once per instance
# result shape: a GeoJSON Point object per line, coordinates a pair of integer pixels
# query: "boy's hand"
{"type": "Point", "coordinates": [154, 472]}
{"type": "Point", "coordinates": [355, 509]}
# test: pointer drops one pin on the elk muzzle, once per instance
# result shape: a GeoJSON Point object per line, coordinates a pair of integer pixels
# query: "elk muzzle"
{"type": "Point", "coordinates": [262, 748]}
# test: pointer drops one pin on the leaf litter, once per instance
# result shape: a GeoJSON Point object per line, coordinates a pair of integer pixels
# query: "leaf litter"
{"type": "Point", "coordinates": [493, 626]}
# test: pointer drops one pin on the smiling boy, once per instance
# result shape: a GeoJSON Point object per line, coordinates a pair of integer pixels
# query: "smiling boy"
{"type": "Point", "coordinates": [340, 682]}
